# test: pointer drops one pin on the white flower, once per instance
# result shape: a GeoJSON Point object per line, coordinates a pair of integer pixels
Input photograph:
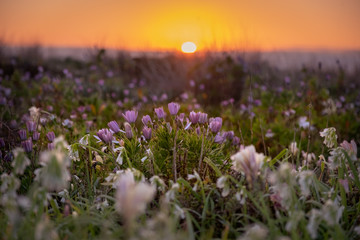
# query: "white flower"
{"type": "Point", "coordinates": [73, 153]}
{"type": "Point", "coordinates": [335, 158]}
{"type": "Point", "coordinates": [223, 184]}
{"type": "Point", "coordinates": [330, 137]}
{"type": "Point", "coordinates": [158, 183]}
{"type": "Point", "coordinates": [20, 162]}
{"type": "Point", "coordinates": [308, 157]}
{"type": "Point", "coordinates": [303, 123]}
{"type": "Point", "coordinates": [240, 196]}
{"type": "Point", "coordinates": [198, 180]}
{"type": "Point", "coordinates": [85, 139]}
{"type": "Point", "coordinates": [45, 230]}
{"type": "Point", "coordinates": [248, 162]}
{"type": "Point", "coordinates": [67, 123]}
{"type": "Point", "coordinates": [34, 113]}
{"type": "Point", "coordinates": [305, 181]}
{"type": "Point", "coordinates": [54, 174]}
{"type": "Point", "coordinates": [350, 148]}
{"type": "Point", "coordinates": [293, 148]}
{"type": "Point", "coordinates": [170, 194]}
{"type": "Point", "coordinates": [255, 232]}
{"type": "Point", "coordinates": [330, 213]}
{"type": "Point", "coordinates": [131, 196]}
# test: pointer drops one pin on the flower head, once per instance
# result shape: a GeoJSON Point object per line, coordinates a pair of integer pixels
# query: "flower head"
{"type": "Point", "coordinates": [160, 112]}
{"type": "Point", "coordinates": [36, 136]}
{"type": "Point", "coordinates": [130, 116]}
{"type": "Point", "coordinates": [105, 135]}
{"type": "Point", "coordinates": [248, 162]}
{"type": "Point", "coordinates": [203, 117]}
{"type": "Point", "coordinates": [194, 117]}
{"type": "Point", "coordinates": [147, 133]}
{"type": "Point", "coordinates": [132, 197]}
{"type": "Point", "coordinates": [31, 126]}
{"type": "Point", "coordinates": [215, 125]}
{"type": "Point", "coordinates": [50, 136]}
{"type": "Point", "coordinates": [146, 120]}
{"type": "Point", "coordinates": [173, 108]}
{"type": "Point", "coordinates": [114, 126]}
{"type": "Point", "coordinates": [27, 145]}
{"type": "Point", "coordinates": [330, 137]}
{"type": "Point", "coordinates": [128, 130]}
{"type": "Point", "coordinates": [22, 134]}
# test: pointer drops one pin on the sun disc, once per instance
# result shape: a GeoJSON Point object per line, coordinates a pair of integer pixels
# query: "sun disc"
{"type": "Point", "coordinates": [188, 47]}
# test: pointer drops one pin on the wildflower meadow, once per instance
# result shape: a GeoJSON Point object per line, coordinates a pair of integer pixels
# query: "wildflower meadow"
{"type": "Point", "coordinates": [177, 147]}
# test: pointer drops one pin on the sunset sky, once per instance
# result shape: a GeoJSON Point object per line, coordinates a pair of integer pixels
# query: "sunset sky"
{"type": "Point", "coordinates": [166, 24]}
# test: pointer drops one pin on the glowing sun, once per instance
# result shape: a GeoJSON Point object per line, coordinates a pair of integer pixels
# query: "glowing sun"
{"type": "Point", "coordinates": [188, 47]}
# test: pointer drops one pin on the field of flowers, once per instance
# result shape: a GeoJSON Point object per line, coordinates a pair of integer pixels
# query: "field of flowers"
{"type": "Point", "coordinates": [211, 147]}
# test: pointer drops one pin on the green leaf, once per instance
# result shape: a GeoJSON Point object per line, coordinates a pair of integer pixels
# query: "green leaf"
{"type": "Point", "coordinates": [213, 166]}
{"type": "Point", "coordinates": [278, 157]}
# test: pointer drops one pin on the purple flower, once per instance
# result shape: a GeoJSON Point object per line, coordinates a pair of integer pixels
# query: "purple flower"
{"type": "Point", "coordinates": [36, 136]}
{"type": "Point", "coordinates": [101, 82]}
{"type": "Point", "coordinates": [105, 135]}
{"type": "Point", "coordinates": [31, 126]}
{"type": "Point", "coordinates": [181, 117]}
{"type": "Point", "coordinates": [203, 117]}
{"type": "Point", "coordinates": [2, 142]}
{"type": "Point", "coordinates": [218, 119]}
{"type": "Point", "coordinates": [194, 117]}
{"type": "Point", "coordinates": [22, 134]}
{"type": "Point", "coordinates": [50, 136]}
{"type": "Point", "coordinates": [114, 126]}
{"type": "Point", "coordinates": [147, 133]}
{"type": "Point", "coordinates": [219, 139]}
{"type": "Point", "coordinates": [173, 108]}
{"type": "Point", "coordinates": [198, 131]}
{"type": "Point", "coordinates": [128, 130]}
{"type": "Point", "coordinates": [236, 141]}
{"type": "Point", "coordinates": [215, 126]}
{"type": "Point", "coordinates": [160, 112]}
{"type": "Point", "coordinates": [27, 145]}
{"type": "Point", "coordinates": [51, 146]}
{"type": "Point", "coordinates": [146, 119]}
{"type": "Point", "coordinates": [130, 116]}
{"type": "Point", "coordinates": [228, 135]}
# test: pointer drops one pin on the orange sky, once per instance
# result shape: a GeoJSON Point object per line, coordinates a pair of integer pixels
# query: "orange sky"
{"type": "Point", "coordinates": [165, 24]}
